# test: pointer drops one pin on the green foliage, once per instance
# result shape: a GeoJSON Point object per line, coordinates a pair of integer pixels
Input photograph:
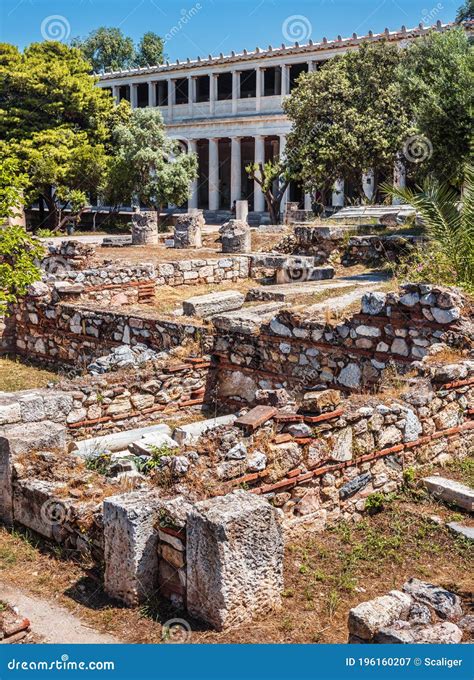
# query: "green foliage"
{"type": "Point", "coordinates": [148, 165]}
{"type": "Point", "coordinates": [12, 184]}
{"type": "Point", "coordinates": [437, 83]}
{"type": "Point", "coordinates": [19, 253]}
{"type": "Point", "coordinates": [108, 49]}
{"type": "Point", "coordinates": [449, 224]}
{"type": "Point", "coordinates": [348, 117]}
{"type": "Point", "coordinates": [377, 501]}
{"type": "Point", "coordinates": [156, 459]}
{"type": "Point", "coordinates": [98, 462]}
{"type": "Point", "coordinates": [150, 50]}
{"type": "Point", "coordinates": [266, 175]}
{"type": "Point", "coordinates": [466, 11]}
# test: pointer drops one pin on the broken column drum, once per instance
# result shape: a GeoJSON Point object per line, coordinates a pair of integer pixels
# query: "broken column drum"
{"type": "Point", "coordinates": [145, 228]}
{"type": "Point", "coordinates": [188, 230]}
{"type": "Point", "coordinates": [235, 236]}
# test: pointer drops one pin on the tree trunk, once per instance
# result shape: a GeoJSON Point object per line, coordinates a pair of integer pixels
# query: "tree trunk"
{"type": "Point", "coordinates": [53, 212]}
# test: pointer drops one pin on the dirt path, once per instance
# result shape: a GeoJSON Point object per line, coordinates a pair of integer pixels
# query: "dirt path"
{"type": "Point", "coordinates": [53, 623]}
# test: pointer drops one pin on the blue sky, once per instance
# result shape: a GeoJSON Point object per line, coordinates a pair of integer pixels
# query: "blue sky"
{"type": "Point", "coordinates": [202, 27]}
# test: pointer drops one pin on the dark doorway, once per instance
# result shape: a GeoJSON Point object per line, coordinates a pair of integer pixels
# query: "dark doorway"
{"type": "Point", "coordinates": [272, 81]}
{"type": "Point", "coordinates": [142, 95]}
{"type": "Point", "coordinates": [248, 84]}
{"type": "Point", "coordinates": [162, 93]}
{"type": "Point", "coordinates": [202, 89]}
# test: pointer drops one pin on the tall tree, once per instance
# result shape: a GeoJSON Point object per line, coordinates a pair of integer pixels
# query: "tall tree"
{"type": "Point", "coordinates": [149, 166]}
{"type": "Point", "coordinates": [273, 179]}
{"type": "Point", "coordinates": [437, 82]}
{"type": "Point", "coordinates": [466, 12]}
{"type": "Point", "coordinates": [150, 50]}
{"type": "Point", "coordinates": [107, 49]}
{"type": "Point", "coordinates": [348, 118]}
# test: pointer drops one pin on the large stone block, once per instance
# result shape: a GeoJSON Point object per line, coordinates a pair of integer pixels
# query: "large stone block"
{"type": "Point", "coordinates": [450, 491]}
{"type": "Point", "coordinates": [368, 617]}
{"type": "Point", "coordinates": [145, 228]}
{"type": "Point", "coordinates": [130, 546]}
{"type": "Point", "coordinates": [235, 237]}
{"type": "Point", "coordinates": [188, 230]}
{"type": "Point", "coordinates": [214, 303]}
{"type": "Point", "coordinates": [234, 559]}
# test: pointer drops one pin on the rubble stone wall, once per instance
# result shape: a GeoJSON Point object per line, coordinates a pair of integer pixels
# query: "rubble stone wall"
{"type": "Point", "coordinates": [377, 250]}
{"type": "Point", "coordinates": [75, 335]}
{"type": "Point", "coordinates": [296, 352]}
{"type": "Point", "coordinates": [111, 401]}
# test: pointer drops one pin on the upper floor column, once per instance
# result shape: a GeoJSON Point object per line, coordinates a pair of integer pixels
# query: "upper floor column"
{"type": "Point", "coordinates": [191, 93]}
{"type": "Point", "coordinates": [151, 93]}
{"type": "Point", "coordinates": [133, 95]}
{"type": "Point", "coordinates": [212, 93]}
{"type": "Point", "coordinates": [259, 72]}
{"type": "Point", "coordinates": [171, 97]}
{"type": "Point", "coordinates": [285, 80]}
{"type": "Point", "coordinates": [235, 90]}
{"type": "Point", "coordinates": [116, 93]}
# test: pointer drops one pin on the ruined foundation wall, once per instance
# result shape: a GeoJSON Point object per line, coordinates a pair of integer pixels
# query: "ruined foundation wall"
{"type": "Point", "coordinates": [295, 352]}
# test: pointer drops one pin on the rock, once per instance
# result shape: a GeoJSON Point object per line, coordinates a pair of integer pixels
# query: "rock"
{"type": "Point", "coordinates": [444, 316]}
{"type": "Point", "coordinates": [256, 462]}
{"type": "Point", "coordinates": [213, 303]}
{"type": "Point", "coordinates": [413, 427]}
{"type": "Point", "coordinates": [448, 417]}
{"type": "Point", "coordinates": [300, 430]}
{"type": "Point", "coordinates": [152, 442]}
{"type": "Point", "coordinates": [179, 465]}
{"type": "Point", "coordinates": [461, 530]}
{"type": "Point", "coordinates": [445, 603]}
{"type": "Point", "coordinates": [399, 346]}
{"type": "Point", "coordinates": [419, 614]}
{"type": "Point", "coordinates": [354, 486]}
{"type": "Point", "coordinates": [234, 559]}
{"type": "Point", "coordinates": [236, 237]}
{"type": "Point", "coordinates": [445, 633]}
{"type": "Point", "coordinates": [373, 303]}
{"type": "Point", "coordinates": [467, 623]}
{"type": "Point", "coordinates": [368, 331]}
{"type": "Point", "coordinates": [350, 376]}
{"type": "Point", "coordinates": [342, 445]}
{"type": "Point", "coordinates": [368, 617]}
{"type": "Point", "coordinates": [450, 491]}
{"type": "Point", "coordinates": [188, 230]}
{"type": "Point", "coordinates": [190, 434]}
{"type": "Point", "coordinates": [319, 402]}
{"type": "Point", "coordinates": [237, 452]}
{"type": "Point", "coordinates": [145, 227]}
{"type": "Point", "coordinates": [409, 299]}
{"type": "Point", "coordinates": [389, 436]}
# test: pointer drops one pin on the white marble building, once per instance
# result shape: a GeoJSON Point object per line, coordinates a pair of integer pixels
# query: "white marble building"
{"type": "Point", "coordinates": [228, 109]}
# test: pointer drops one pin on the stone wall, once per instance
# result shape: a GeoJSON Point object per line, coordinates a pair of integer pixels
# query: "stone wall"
{"type": "Point", "coordinates": [76, 334]}
{"type": "Point", "coordinates": [378, 250]}
{"type": "Point", "coordinates": [112, 401]}
{"type": "Point", "coordinates": [295, 351]}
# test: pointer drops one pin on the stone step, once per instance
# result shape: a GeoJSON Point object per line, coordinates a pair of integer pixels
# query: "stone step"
{"type": "Point", "coordinates": [450, 491]}
{"type": "Point", "coordinates": [248, 319]}
{"type": "Point", "coordinates": [291, 292]}
{"type": "Point", "coordinates": [461, 530]}
{"type": "Point", "coordinates": [213, 303]}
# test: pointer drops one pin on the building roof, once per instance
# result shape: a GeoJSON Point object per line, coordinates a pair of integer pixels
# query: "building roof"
{"type": "Point", "coordinates": [285, 50]}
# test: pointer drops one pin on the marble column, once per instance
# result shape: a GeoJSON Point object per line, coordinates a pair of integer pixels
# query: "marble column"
{"type": "Point", "coordinates": [284, 199]}
{"type": "Point", "coordinates": [338, 194]}
{"type": "Point", "coordinates": [399, 179]}
{"type": "Point", "coordinates": [116, 93]}
{"type": "Point", "coordinates": [193, 198]}
{"type": "Point", "coordinates": [212, 92]}
{"type": "Point", "coordinates": [171, 97]}
{"type": "Point", "coordinates": [152, 93]}
{"type": "Point", "coordinates": [191, 94]}
{"type": "Point", "coordinates": [258, 197]}
{"type": "Point", "coordinates": [235, 170]}
{"type": "Point", "coordinates": [213, 174]}
{"type": "Point", "coordinates": [258, 88]}
{"type": "Point", "coordinates": [133, 95]}
{"type": "Point", "coordinates": [368, 183]}
{"type": "Point", "coordinates": [285, 80]}
{"type": "Point", "coordinates": [308, 202]}
{"type": "Point", "coordinates": [235, 90]}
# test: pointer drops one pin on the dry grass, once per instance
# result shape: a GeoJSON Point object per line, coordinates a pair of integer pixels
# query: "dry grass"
{"type": "Point", "coordinates": [169, 298]}
{"type": "Point", "coordinates": [325, 575]}
{"type": "Point", "coordinates": [16, 375]}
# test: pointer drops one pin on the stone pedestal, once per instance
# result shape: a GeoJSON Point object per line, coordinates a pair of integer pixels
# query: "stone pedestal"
{"type": "Point", "coordinates": [241, 210]}
{"type": "Point", "coordinates": [188, 230]}
{"type": "Point", "coordinates": [235, 236]}
{"type": "Point", "coordinates": [145, 228]}
{"type": "Point", "coordinates": [234, 559]}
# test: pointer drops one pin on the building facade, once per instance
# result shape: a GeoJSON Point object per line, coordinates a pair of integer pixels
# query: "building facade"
{"type": "Point", "coordinates": [228, 110]}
